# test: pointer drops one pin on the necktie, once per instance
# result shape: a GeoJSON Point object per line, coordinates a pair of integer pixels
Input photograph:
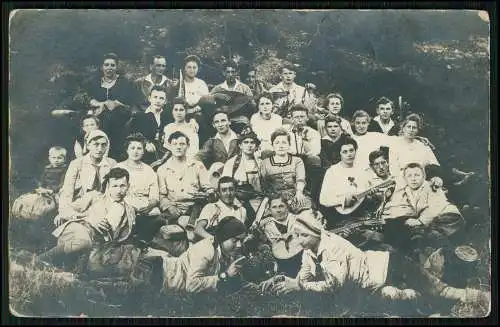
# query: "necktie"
{"type": "Point", "coordinates": [120, 228]}
{"type": "Point", "coordinates": [97, 179]}
{"type": "Point", "coordinates": [319, 271]}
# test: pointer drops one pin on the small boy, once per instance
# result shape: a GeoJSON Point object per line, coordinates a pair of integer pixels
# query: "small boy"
{"type": "Point", "coordinates": [53, 174]}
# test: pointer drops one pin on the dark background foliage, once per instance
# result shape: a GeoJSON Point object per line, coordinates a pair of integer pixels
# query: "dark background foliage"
{"type": "Point", "coordinates": [438, 61]}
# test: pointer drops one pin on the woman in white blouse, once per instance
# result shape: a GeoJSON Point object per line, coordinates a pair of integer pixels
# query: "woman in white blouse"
{"type": "Point", "coordinates": [409, 147]}
{"type": "Point", "coordinates": [143, 193]}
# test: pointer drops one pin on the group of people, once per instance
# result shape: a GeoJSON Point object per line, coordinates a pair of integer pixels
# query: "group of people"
{"type": "Point", "coordinates": [199, 183]}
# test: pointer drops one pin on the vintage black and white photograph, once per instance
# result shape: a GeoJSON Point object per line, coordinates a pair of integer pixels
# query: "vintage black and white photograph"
{"type": "Point", "coordinates": [249, 163]}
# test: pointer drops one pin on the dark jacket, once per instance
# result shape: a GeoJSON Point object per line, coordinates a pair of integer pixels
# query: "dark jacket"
{"type": "Point", "coordinates": [375, 127]}
{"type": "Point", "coordinates": [214, 151]}
{"type": "Point", "coordinates": [114, 122]}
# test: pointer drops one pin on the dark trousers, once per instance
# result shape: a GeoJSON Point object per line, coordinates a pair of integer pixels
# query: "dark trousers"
{"type": "Point", "coordinates": [404, 272]}
{"type": "Point", "coordinates": [147, 226]}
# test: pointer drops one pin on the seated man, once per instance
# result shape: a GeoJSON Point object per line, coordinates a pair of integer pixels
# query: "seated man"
{"type": "Point", "coordinates": [109, 219]}
{"type": "Point", "coordinates": [212, 213]}
{"type": "Point", "coordinates": [420, 209]}
{"type": "Point", "coordinates": [183, 182]}
{"type": "Point", "coordinates": [379, 164]}
{"type": "Point", "coordinates": [209, 265]}
{"type": "Point", "coordinates": [223, 145]}
{"type": "Point", "coordinates": [383, 123]}
{"type": "Point", "coordinates": [329, 261]}
{"type": "Point", "coordinates": [84, 178]}
{"type": "Point", "coordinates": [343, 197]}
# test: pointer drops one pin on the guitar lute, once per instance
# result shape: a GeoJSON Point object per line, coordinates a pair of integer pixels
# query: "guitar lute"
{"type": "Point", "coordinates": [360, 197]}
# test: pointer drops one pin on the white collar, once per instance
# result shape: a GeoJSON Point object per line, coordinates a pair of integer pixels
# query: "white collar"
{"type": "Point", "coordinates": [232, 134]}
{"type": "Point", "coordinates": [236, 203]}
{"type": "Point", "coordinates": [225, 86]}
{"type": "Point", "coordinates": [149, 79]}
{"type": "Point", "coordinates": [150, 109]}
{"type": "Point", "coordinates": [281, 85]}
{"type": "Point", "coordinates": [377, 119]}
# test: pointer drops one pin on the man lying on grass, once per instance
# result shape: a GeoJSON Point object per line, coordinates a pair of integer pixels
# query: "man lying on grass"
{"type": "Point", "coordinates": [329, 261]}
{"type": "Point", "coordinates": [212, 264]}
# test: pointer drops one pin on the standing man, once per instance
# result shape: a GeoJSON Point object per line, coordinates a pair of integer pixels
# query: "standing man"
{"type": "Point", "coordinates": [256, 84]}
{"type": "Point", "coordinates": [234, 97]}
{"type": "Point", "coordinates": [231, 83]}
{"type": "Point", "coordinates": [288, 93]}
{"type": "Point", "coordinates": [383, 122]}
{"type": "Point", "coordinates": [157, 79]}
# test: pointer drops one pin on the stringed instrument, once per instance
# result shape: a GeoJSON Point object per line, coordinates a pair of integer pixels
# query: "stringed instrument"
{"type": "Point", "coordinates": [370, 223]}
{"type": "Point", "coordinates": [360, 197]}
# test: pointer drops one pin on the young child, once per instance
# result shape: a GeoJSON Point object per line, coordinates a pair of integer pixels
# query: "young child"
{"type": "Point", "coordinates": [53, 175]}
{"type": "Point", "coordinates": [45, 197]}
{"type": "Point", "coordinates": [334, 105]}
{"type": "Point", "coordinates": [89, 123]}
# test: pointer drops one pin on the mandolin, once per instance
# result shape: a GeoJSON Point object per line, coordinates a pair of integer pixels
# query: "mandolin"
{"type": "Point", "coordinates": [360, 197]}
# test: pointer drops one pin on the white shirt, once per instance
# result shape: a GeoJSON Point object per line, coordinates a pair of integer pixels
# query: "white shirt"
{"type": "Point", "coordinates": [367, 143]}
{"type": "Point", "coordinates": [265, 127]}
{"type": "Point", "coordinates": [297, 94]}
{"type": "Point", "coordinates": [307, 142]}
{"type": "Point", "coordinates": [385, 127]}
{"type": "Point", "coordinates": [402, 153]}
{"type": "Point", "coordinates": [195, 90]}
{"type": "Point", "coordinates": [214, 212]}
{"type": "Point", "coordinates": [340, 180]}
{"type": "Point", "coordinates": [150, 79]}
{"type": "Point", "coordinates": [341, 261]}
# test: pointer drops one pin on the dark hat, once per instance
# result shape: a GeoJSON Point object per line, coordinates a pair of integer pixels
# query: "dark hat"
{"type": "Point", "coordinates": [248, 133]}
{"type": "Point", "coordinates": [228, 227]}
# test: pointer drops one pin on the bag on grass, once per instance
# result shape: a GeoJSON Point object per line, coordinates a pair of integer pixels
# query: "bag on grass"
{"type": "Point", "coordinates": [34, 205]}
